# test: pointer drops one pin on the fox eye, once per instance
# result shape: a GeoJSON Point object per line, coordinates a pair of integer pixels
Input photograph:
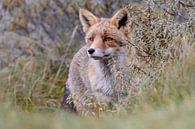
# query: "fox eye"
{"type": "Point", "coordinates": [90, 39]}
{"type": "Point", "coordinates": [108, 39]}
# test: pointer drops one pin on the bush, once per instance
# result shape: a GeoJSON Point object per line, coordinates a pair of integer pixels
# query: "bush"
{"type": "Point", "coordinates": [39, 38]}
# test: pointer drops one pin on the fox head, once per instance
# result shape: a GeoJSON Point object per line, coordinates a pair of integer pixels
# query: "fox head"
{"type": "Point", "coordinates": [104, 36]}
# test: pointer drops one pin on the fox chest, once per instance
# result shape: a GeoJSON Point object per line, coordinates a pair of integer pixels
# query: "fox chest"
{"type": "Point", "coordinates": [101, 81]}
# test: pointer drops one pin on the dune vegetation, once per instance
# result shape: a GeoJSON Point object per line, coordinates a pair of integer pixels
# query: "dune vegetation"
{"type": "Point", "coordinates": [38, 39]}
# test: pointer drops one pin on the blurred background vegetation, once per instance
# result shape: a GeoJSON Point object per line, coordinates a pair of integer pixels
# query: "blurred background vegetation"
{"type": "Point", "coordinates": [37, 42]}
{"type": "Point", "coordinates": [39, 37]}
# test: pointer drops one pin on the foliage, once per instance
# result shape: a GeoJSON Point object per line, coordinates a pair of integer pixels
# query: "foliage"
{"type": "Point", "coordinates": [39, 38]}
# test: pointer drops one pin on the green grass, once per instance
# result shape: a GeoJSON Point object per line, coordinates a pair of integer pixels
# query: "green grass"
{"type": "Point", "coordinates": [32, 84]}
{"type": "Point", "coordinates": [180, 117]}
{"type": "Point", "coordinates": [168, 104]}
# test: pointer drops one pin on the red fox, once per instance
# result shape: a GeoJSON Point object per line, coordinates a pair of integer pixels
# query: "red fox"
{"type": "Point", "coordinates": [90, 71]}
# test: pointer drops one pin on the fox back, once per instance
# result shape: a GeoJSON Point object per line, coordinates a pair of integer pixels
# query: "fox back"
{"type": "Point", "coordinates": [91, 70]}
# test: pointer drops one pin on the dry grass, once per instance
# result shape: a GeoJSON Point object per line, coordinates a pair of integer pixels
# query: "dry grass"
{"type": "Point", "coordinates": [34, 61]}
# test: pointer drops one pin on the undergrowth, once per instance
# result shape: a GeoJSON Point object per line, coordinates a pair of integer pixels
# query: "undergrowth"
{"type": "Point", "coordinates": [35, 54]}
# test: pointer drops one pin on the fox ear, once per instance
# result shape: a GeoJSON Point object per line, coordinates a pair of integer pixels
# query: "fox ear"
{"type": "Point", "coordinates": [87, 19]}
{"type": "Point", "coordinates": [120, 19]}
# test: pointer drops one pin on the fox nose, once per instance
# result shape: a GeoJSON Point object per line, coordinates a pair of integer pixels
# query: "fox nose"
{"type": "Point", "coordinates": [91, 51]}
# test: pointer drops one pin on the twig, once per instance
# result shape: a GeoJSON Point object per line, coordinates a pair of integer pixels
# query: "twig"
{"type": "Point", "coordinates": [186, 5]}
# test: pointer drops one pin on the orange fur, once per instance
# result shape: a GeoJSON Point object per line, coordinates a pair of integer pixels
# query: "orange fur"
{"type": "Point", "coordinates": [91, 69]}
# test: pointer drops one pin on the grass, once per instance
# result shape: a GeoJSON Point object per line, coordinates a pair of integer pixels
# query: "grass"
{"type": "Point", "coordinates": [32, 83]}
{"type": "Point", "coordinates": [168, 104]}
{"type": "Point", "coordinates": [180, 117]}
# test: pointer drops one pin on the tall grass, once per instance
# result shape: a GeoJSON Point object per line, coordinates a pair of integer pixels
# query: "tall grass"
{"type": "Point", "coordinates": [34, 62]}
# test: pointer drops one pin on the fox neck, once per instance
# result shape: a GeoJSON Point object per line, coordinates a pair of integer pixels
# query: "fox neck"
{"type": "Point", "coordinates": [106, 75]}
{"type": "Point", "coordinates": [110, 65]}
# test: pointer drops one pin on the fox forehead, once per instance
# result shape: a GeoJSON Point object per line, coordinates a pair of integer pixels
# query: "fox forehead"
{"type": "Point", "coordinates": [104, 28]}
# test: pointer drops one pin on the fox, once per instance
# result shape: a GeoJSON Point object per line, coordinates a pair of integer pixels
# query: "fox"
{"type": "Point", "coordinates": [91, 70]}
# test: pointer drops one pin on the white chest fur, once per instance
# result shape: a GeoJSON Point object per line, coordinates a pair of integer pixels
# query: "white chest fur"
{"type": "Point", "coordinates": [102, 81]}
